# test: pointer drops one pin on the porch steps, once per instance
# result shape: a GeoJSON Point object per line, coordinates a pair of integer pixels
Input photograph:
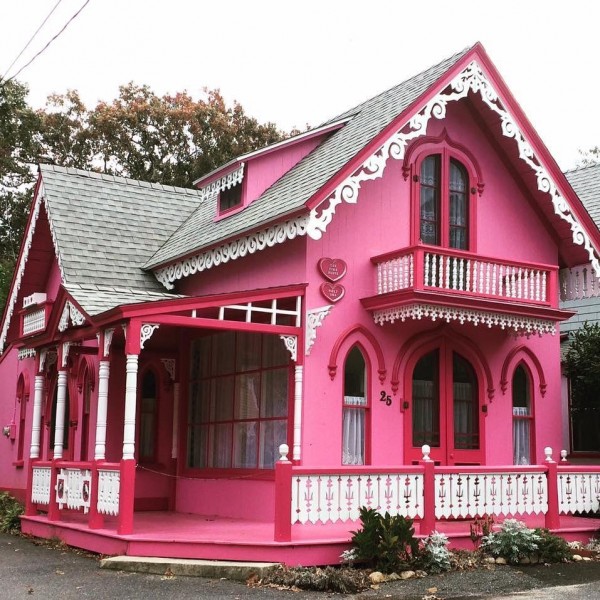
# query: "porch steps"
{"type": "Point", "coordinates": [214, 569]}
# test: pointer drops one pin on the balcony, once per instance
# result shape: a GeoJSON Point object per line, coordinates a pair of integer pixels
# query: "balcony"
{"type": "Point", "coordinates": [447, 284]}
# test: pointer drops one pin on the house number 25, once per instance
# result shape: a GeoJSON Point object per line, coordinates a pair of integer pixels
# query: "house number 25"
{"type": "Point", "coordinates": [385, 398]}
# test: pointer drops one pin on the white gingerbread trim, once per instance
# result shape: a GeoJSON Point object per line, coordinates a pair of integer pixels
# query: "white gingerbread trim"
{"type": "Point", "coordinates": [64, 318]}
{"type": "Point", "coordinates": [291, 345]}
{"type": "Point", "coordinates": [471, 79]}
{"type": "Point", "coordinates": [70, 314]}
{"type": "Point", "coordinates": [108, 336]}
{"type": "Point", "coordinates": [26, 353]}
{"type": "Point", "coordinates": [249, 244]}
{"type": "Point", "coordinates": [219, 185]}
{"type": "Point", "coordinates": [169, 364]}
{"type": "Point", "coordinates": [519, 325]}
{"type": "Point", "coordinates": [314, 320]}
{"type": "Point", "coordinates": [146, 332]}
{"type": "Point", "coordinates": [66, 346]}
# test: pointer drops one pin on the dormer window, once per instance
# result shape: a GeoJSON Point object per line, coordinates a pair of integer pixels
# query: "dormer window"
{"type": "Point", "coordinates": [230, 198]}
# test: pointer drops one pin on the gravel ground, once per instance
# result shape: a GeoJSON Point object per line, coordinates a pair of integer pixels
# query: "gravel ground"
{"type": "Point", "coordinates": [29, 569]}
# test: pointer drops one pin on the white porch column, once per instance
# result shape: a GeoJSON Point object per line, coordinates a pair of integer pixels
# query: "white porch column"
{"type": "Point", "coordinates": [34, 451]}
{"type": "Point", "coordinates": [297, 411]}
{"type": "Point", "coordinates": [130, 406]}
{"type": "Point", "coordinates": [59, 426]}
{"type": "Point", "coordinates": [103, 375]}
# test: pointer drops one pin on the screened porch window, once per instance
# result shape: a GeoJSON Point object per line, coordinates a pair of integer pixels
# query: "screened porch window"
{"type": "Point", "coordinates": [522, 417]}
{"type": "Point", "coordinates": [238, 404]}
{"type": "Point", "coordinates": [354, 414]}
{"type": "Point", "coordinates": [148, 417]}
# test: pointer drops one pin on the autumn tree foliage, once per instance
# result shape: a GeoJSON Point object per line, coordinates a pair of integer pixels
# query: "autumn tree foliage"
{"type": "Point", "coordinates": [170, 139]}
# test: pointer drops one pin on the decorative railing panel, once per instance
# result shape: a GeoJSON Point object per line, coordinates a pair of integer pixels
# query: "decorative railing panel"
{"type": "Point", "coordinates": [108, 491]}
{"type": "Point", "coordinates": [472, 494]}
{"type": "Point", "coordinates": [40, 486]}
{"type": "Point", "coordinates": [578, 492]}
{"type": "Point", "coordinates": [34, 321]}
{"type": "Point", "coordinates": [73, 488]}
{"type": "Point", "coordinates": [331, 497]}
{"type": "Point", "coordinates": [578, 282]}
{"type": "Point", "coordinates": [453, 271]}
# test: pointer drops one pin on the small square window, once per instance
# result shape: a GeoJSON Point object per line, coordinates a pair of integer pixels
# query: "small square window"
{"type": "Point", "coordinates": [230, 198]}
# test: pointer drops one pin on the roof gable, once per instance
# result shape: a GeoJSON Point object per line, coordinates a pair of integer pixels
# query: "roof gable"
{"type": "Point", "coordinates": [586, 183]}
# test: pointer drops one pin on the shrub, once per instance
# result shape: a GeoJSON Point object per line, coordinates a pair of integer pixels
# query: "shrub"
{"type": "Point", "coordinates": [552, 548]}
{"type": "Point", "coordinates": [436, 556]}
{"type": "Point", "coordinates": [10, 511]}
{"type": "Point", "coordinates": [513, 542]}
{"type": "Point", "coordinates": [385, 542]}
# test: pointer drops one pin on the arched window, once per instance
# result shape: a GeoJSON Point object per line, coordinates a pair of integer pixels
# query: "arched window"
{"type": "Point", "coordinates": [444, 202]}
{"type": "Point", "coordinates": [22, 399]}
{"type": "Point", "coordinates": [522, 417]}
{"type": "Point", "coordinates": [148, 417]}
{"type": "Point", "coordinates": [355, 407]}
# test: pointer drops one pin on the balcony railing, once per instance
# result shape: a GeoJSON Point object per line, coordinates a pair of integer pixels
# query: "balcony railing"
{"type": "Point", "coordinates": [579, 282]}
{"type": "Point", "coordinates": [460, 273]}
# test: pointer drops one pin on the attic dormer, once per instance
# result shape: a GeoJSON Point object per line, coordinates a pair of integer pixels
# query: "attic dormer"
{"type": "Point", "coordinates": [237, 184]}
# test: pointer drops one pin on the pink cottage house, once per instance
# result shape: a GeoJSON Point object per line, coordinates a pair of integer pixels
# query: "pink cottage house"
{"type": "Point", "coordinates": [364, 314]}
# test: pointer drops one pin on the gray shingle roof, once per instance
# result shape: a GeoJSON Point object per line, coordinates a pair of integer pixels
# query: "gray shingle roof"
{"type": "Point", "coordinates": [297, 186]}
{"type": "Point", "coordinates": [106, 228]}
{"type": "Point", "coordinates": [586, 183]}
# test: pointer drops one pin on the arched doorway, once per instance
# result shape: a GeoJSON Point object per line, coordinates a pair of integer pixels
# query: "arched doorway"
{"type": "Point", "coordinates": [442, 407]}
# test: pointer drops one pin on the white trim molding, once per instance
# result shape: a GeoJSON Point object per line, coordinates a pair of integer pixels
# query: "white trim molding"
{"type": "Point", "coordinates": [518, 325]}
{"type": "Point", "coordinates": [223, 183]}
{"type": "Point", "coordinates": [291, 345]}
{"type": "Point", "coordinates": [146, 332]}
{"type": "Point", "coordinates": [314, 320]}
{"type": "Point", "coordinates": [249, 244]}
{"type": "Point", "coordinates": [471, 79]}
{"type": "Point", "coordinates": [70, 314]}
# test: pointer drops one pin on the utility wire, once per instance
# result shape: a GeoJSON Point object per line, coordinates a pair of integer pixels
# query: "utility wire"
{"type": "Point", "coordinates": [46, 46]}
{"type": "Point", "coordinates": [30, 40]}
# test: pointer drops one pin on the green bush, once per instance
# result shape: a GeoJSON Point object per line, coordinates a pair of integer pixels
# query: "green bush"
{"type": "Point", "coordinates": [10, 511]}
{"type": "Point", "coordinates": [385, 542]}
{"type": "Point", "coordinates": [435, 557]}
{"type": "Point", "coordinates": [552, 548]}
{"type": "Point", "coordinates": [513, 542]}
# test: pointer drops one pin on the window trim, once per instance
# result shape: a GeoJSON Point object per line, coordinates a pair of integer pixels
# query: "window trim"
{"type": "Point", "coordinates": [236, 208]}
{"type": "Point", "coordinates": [531, 416]}
{"type": "Point", "coordinates": [447, 149]}
{"type": "Point", "coordinates": [23, 394]}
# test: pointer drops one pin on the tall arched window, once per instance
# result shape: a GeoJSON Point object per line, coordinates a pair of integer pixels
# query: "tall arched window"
{"type": "Point", "coordinates": [444, 202]}
{"type": "Point", "coordinates": [148, 417]}
{"type": "Point", "coordinates": [22, 399]}
{"type": "Point", "coordinates": [522, 417]}
{"type": "Point", "coordinates": [354, 413]}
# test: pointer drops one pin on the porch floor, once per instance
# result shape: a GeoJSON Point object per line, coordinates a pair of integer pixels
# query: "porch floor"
{"type": "Point", "coordinates": [180, 535]}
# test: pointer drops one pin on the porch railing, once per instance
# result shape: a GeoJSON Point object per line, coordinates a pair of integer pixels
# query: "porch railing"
{"type": "Point", "coordinates": [578, 283]}
{"type": "Point", "coordinates": [430, 493]}
{"type": "Point", "coordinates": [453, 271]}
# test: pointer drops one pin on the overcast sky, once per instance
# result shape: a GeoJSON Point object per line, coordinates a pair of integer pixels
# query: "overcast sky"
{"type": "Point", "coordinates": [298, 63]}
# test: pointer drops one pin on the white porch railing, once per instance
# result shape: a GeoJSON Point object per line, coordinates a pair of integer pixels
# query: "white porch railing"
{"type": "Point", "coordinates": [40, 485]}
{"type": "Point", "coordinates": [337, 496]}
{"type": "Point", "coordinates": [578, 492]}
{"type": "Point", "coordinates": [453, 271]}
{"type": "Point", "coordinates": [476, 494]}
{"type": "Point", "coordinates": [73, 488]}
{"type": "Point", "coordinates": [108, 491]}
{"type": "Point", "coordinates": [578, 283]}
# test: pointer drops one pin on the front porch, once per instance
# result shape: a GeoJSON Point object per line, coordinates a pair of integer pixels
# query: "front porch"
{"type": "Point", "coordinates": [315, 510]}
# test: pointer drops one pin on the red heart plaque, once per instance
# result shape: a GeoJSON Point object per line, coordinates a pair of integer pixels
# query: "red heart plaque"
{"type": "Point", "coordinates": [332, 268]}
{"type": "Point", "coordinates": [333, 292]}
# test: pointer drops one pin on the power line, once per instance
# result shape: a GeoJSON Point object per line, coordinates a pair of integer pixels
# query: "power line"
{"type": "Point", "coordinates": [30, 40]}
{"type": "Point", "coordinates": [46, 46]}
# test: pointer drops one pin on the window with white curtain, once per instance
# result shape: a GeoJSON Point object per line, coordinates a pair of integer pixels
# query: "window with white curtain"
{"type": "Point", "coordinates": [354, 414]}
{"type": "Point", "coordinates": [522, 417]}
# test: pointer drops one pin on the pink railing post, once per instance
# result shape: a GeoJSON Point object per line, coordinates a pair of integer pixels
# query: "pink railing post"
{"type": "Point", "coordinates": [96, 519]}
{"type": "Point", "coordinates": [53, 510]}
{"type": "Point", "coordinates": [428, 520]}
{"type": "Point", "coordinates": [418, 268]}
{"type": "Point", "coordinates": [283, 496]}
{"type": "Point", "coordinates": [126, 496]}
{"type": "Point", "coordinates": [552, 516]}
{"type": "Point", "coordinates": [30, 507]}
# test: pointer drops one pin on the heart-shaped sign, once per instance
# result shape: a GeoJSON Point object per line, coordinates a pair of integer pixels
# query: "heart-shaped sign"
{"type": "Point", "coordinates": [332, 268]}
{"type": "Point", "coordinates": [333, 292]}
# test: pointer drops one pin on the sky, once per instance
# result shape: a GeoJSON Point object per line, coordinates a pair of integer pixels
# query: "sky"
{"type": "Point", "coordinates": [300, 63]}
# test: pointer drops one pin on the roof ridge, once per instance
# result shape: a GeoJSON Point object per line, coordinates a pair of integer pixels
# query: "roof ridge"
{"type": "Point", "coordinates": [117, 179]}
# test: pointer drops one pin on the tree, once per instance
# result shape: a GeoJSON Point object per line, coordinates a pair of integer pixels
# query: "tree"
{"type": "Point", "coordinates": [589, 157]}
{"type": "Point", "coordinates": [19, 148]}
{"type": "Point", "coordinates": [582, 366]}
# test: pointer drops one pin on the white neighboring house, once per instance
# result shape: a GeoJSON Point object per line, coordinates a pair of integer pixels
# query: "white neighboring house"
{"type": "Point", "coordinates": [580, 291]}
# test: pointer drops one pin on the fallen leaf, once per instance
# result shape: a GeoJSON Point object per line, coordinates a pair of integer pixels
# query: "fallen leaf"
{"type": "Point", "coordinates": [432, 590]}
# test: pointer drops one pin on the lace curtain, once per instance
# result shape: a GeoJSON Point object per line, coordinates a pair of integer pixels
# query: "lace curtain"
{"type": "Point", "coordinates": [353, 427]}
{"type": "Point", "coordinates": [521, 436]}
